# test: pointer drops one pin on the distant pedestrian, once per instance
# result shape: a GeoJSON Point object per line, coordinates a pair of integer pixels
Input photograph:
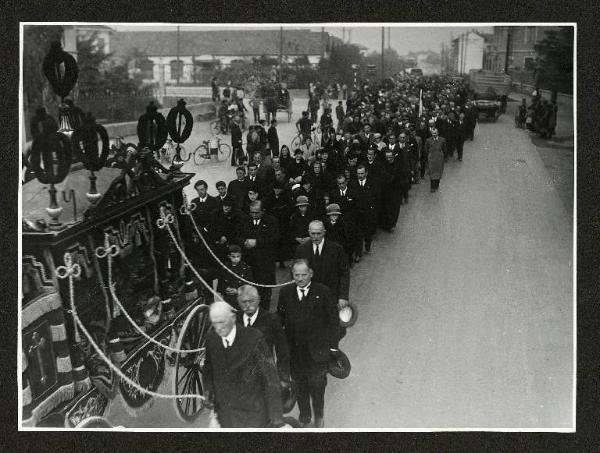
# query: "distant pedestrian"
{"type": "Point", "coordinates": [435, 146]}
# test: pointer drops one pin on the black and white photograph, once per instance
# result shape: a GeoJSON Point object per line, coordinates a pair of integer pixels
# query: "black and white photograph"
{"type": "Point", "coordinates": [297, 227]}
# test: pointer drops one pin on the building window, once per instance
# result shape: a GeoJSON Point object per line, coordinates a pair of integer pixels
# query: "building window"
{"type": "Point", "coordinates": [147, 69]}
{"type": "Point", "coordinates": [529, 35]}
{"type": "Point", "coordinates": [176, 69]}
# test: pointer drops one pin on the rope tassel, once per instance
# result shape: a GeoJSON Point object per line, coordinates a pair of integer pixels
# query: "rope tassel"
{"type": "Point", "coordinates": [70, 271]}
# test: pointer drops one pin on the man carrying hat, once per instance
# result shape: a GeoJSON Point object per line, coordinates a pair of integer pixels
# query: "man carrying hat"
{"type": "Point", "coordinates": [310, 319]}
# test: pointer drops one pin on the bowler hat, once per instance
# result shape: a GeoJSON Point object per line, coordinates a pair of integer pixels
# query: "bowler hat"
{"type": "Point", "coordinates": [332, 209]}
{"type": "Point", "coordinates": [302, 200]}
{"type": "Point", "coordinates": [339, 365]}
{"type": "Point", "coordinates": [348, 315]}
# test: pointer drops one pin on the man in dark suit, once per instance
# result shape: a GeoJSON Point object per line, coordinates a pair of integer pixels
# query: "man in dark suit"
{"type": "Point", "coordinates": [462, 132]}
{"type": "Point", "coordinates": [270, 326]}
{"type": "Point", "coordinates": [328, 260]}
{"type": "Point", "coordinates": [238, 188]}
{"type": "Point", "coordinates": [236, 142]}
{"type": "Point", "coordinates": [311, 324]}
{"type": "Point", "coordinates": [205, 204]}
{"type": "Point", "coordinates": [364, 210]}
{"type": "Point", "coordinates": [265, 175]}
{"type": "Point", "coordinates": [273, 138]}
{"type": "Point", "coordinates": [222, 190]}
{"type": "Point", "coordinates": [259, 236]}
{"type": "Point", "coordinates": [239, 373]}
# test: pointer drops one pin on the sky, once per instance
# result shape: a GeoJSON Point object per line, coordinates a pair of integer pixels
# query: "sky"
{"type": "Point", "coordinates": [403, 39]}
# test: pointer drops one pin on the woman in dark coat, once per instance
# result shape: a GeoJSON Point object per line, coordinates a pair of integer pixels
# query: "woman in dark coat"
{"type": "Point", "coordinates": [285, 159]}
{"type": "Point", "coordinates": [278, 204]}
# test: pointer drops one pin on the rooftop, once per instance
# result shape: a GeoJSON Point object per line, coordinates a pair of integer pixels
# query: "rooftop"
{"type": "Point", "coordinates": [218, 42]}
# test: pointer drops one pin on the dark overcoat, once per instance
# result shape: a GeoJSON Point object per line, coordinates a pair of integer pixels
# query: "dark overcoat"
{"type": "Point", "coordinates": [331, 269]}
{"type": "Point", "coordinates": [243, 379]}
{"type": "Point", "coordinates": [435, 156]}
{"type": "Point", "coordinates": [311, 327]}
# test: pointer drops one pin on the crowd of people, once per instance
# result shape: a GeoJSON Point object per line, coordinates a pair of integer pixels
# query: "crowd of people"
{"type": "Point", "coordinates": [316, 210]}
{"type": "Point", "coordinates": [539, 116]}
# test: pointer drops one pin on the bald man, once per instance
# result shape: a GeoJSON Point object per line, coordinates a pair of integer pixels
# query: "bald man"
{"type": "Point", "coordinates": [239, 373]}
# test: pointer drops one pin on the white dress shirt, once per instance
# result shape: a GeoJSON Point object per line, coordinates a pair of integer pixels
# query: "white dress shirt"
{"type": "Point", "coordinates": [229, 338]}
{"type": "Point", "coordinates": [299, 290]}
{"type": "Point", "coordinates": [251, 318]}
{"type": "Point", "coordinates": [319, 246]}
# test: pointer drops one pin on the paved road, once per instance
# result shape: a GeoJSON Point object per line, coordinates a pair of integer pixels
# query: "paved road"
{"type": "Point", "coordinates": [466, 311]}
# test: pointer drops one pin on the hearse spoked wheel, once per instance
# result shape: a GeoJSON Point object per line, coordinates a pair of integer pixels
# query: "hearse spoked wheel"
{"type": "Point", "coordinates": [187, 374]}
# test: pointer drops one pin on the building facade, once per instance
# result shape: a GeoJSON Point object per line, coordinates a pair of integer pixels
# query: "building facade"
{"type": "Point", "coordinates": [521, 52]}
{"type": "Point", "coordinates": [190, 56]}
{"type": "Point", "coordinates": [467, 52]}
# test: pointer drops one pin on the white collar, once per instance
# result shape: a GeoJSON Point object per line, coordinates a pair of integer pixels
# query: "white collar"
{"type": "Point", "coordinates": [202, 200]}
{"type": "Point", "coordinates": [230, 338]}
{"type": "Point", "coordinates": [299, 290]}
{"type": "Point", "coordinates": [252, 318]}
{"type": "Point", "coordinates": [320, 246]}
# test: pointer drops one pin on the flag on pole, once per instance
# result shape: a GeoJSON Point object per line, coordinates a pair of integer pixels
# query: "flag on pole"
{"type": "Point", "coordinates": [420, 102]}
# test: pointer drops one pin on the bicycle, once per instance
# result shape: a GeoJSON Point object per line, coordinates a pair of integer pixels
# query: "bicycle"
{"type": "Point", "coordinates": [298, 140]}
{"type": "Point", "coordinates": [169, 150]}
{"type": "Point", "coordinates": [203, 152]}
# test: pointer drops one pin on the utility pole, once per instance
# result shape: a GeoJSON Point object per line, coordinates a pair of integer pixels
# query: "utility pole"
{"type": "Point", "coordinates": [178, 63]}
{"type": "Point", "coordinates": [508, 44]}
{"type": "Point", "coordinates": [322, 43]}
{"type": "Point", "coordinates": [280, 54]}
{"type": "Point", "coordinates": [382, 49]}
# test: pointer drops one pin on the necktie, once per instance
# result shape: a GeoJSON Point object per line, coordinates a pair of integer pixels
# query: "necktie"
{"type": "Point", "coordinates": [316, 251]}
{"type": "Point", "coordinates": [227, 343]}
{"type": "Point", "coordinates": [248, 322]}
{"type": "Point", "coordinates": [303, 291]}
{"type": "Point", "coordinates": [256, 223]}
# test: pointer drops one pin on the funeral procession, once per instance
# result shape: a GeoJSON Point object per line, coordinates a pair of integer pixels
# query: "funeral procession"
{"type": "Point", "coordinates": [296, 227]}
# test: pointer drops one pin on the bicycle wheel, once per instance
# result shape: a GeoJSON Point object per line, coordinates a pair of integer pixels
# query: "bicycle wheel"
{"type": "Point", "coordinates": [199, 154]}
{"type": "Point", "coordinates": [183, 153]}
{"type": "Point", "coordinates": [224, 152]}
{"type": "Point", "coordinates": [296, 142]}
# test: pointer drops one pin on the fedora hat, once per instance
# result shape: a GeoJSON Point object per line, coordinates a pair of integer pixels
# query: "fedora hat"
{"type": "Point", "coordinates": [339, 365]}
{"type": "Point", "coordinates": [348, 315]}
{"type": "Point", "coordinates": [288, 397]}
{"type": "Point", "coordinates": [332, 209]}
{"type": "Point", "coordinates": [302, 200]}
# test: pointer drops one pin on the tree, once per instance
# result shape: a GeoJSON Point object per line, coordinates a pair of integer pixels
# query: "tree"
{"type": "Point", "coordinates": [393, 64]}
{"type": "Point", "coordinates": [101, 72]}
{"type": "Point", "coordinates": [338, 67]}
{"type": "Point", "coordinates": [555, 61]}
{"type": "Point", "coordinates": [36, 90]}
